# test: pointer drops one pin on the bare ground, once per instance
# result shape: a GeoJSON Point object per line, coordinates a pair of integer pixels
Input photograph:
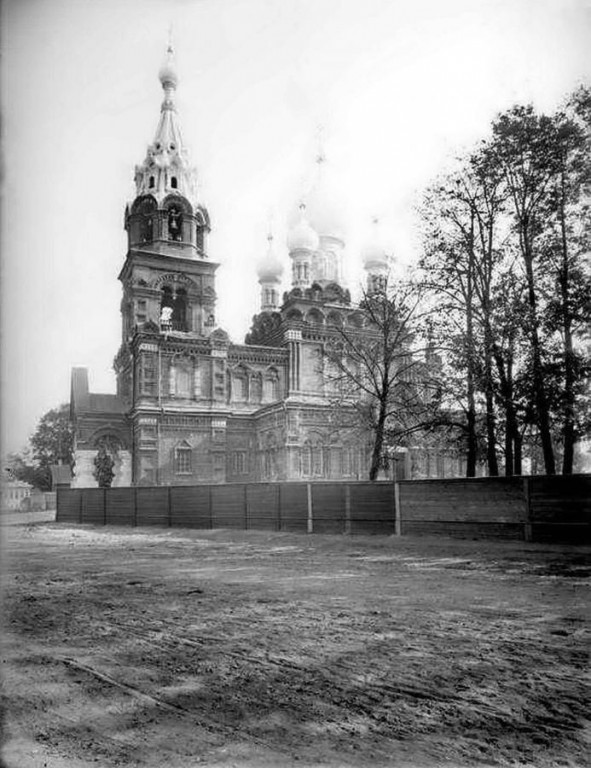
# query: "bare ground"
{"type": "Point", "coordinates": [156, 647]}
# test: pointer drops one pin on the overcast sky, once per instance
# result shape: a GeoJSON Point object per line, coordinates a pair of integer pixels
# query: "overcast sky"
{"type": "Point", "coordinates": [400, 87]}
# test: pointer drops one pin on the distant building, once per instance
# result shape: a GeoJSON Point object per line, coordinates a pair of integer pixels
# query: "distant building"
{"type": "Point", "coordinates": [191, 406]}
{"type": "Point", "coordinates": [14, 493]}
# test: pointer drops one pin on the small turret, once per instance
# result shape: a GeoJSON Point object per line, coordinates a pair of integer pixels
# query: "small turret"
{"type": "Point", "coordinates": [302, 242]}
{"type": "Point", "coordinates": [270, 271]}
{"type": "Point", "coordinates": [375, 260]}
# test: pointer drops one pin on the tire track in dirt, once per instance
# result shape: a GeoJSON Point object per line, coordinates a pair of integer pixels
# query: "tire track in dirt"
{"type": "Point", "coordinates": [207, 724]}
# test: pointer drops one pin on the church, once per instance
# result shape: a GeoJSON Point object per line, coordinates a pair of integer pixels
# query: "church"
{"type": "Point", "coordinates": [191, 405]}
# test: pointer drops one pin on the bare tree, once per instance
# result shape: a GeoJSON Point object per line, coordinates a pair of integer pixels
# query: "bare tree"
{"type": "Point", "coordinates": [377, 376]}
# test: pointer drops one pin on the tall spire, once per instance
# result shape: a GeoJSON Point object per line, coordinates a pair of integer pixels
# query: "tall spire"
{"type": "Point", "coordinates": [166, 169]}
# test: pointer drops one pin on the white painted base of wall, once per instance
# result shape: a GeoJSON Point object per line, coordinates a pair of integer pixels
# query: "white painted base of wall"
{"type": "Point", "coordinates": [84, 469]}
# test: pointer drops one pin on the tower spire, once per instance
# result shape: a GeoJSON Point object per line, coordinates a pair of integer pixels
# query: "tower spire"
{"type": "Point", "coordinates": [166, 168]}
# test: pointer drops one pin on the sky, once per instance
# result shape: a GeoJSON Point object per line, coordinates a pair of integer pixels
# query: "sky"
{"type": "Point", "coordinates": [399, 88]}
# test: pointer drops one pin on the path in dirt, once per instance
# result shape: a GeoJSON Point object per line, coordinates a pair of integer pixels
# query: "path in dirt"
{"type": "Point", "coordinates": [179, 648]}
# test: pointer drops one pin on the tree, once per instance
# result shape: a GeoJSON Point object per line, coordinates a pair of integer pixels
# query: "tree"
{"type": "Point", "coordinates": [103, 472]}
{"type": "Point", "coordinates": [374, 374]}
{"type": "Point", "coordinates": [463, 235]}
{"type": "Point", "coordinates": [524, 148]}
{"type": "Point", "coordinates": [51, 443]}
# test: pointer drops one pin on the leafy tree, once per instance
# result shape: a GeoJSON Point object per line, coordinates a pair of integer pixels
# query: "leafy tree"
{"type": "Point", "coordinates": [505, 238]}
{"type": "Point", "coordinates": [463, 235]}
{"type": "Point", "coordinates": [51, 443]}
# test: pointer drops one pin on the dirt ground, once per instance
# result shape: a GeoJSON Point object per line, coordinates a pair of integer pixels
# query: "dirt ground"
{"type": "Point", "coordinates": [170, 648]}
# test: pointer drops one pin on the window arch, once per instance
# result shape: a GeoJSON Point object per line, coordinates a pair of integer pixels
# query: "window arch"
{"type": "Point", "coordinates": [173, 309]}
{"type": "Point", "coordinates": [183, 459]}
{"type": "Point", "coordinates": [334, 318]}
{"type": "Point", "coordinates": [175, 223]}
{"type": "Point", "coordinates": [256, 388]}
{"type": "Point", "coordinates": [315, 316]}
{"type": "Point", "coordinates": [239, 384]}
{"type": "Point", "coordinates": [271, 385]}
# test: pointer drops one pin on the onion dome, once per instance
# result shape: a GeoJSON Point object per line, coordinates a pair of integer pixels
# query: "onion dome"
{"type": "Point", "coordinates": [167, 74]}
{"type": "Point", "coordinates": [301, 237]}
{"type": "Point", "coordinates": [326, 210]}
{"type": "Point", "coordinates": [270, 267]}
{"type": "Point", "coordinates": [373, 253]}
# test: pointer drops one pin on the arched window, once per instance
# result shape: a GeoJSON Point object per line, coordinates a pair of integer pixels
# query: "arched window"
{"type": "Point", "coordinates": [271, 391]}
{"type": "Point", "coordinates": [179, 310]}
{"type": "Point", "coordinates": [173, 309]}
{"type": "Point", "coordinates": [174, 182]}
{"type": "Point", "coordinates": [200, 238]}
{"type": "Point", "coordinates": [306, 466]}
{"type": "Point", "coordinates": [151, 182]}
{"type": "Point", "coordinates": [256, 388]}
{"type": "Point", "coordinates": [166, 308]}
{"type": "Point", "coordinates": [183, 456]}
{"type": "Point", "coordinates": [175, 223]}
{"type": "Point", "coordinates": [239, 385]}
{"type": "Point", "coordinates": [146, 229]}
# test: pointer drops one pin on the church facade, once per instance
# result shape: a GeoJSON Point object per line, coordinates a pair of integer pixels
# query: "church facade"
{"type": "Point", "coordinates": [191, 406]}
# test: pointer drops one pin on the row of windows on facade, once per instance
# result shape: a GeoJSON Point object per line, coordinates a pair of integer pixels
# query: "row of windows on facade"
{"type": "Point", "coordinates": [312, 460]}
{"type": "Point", "coordinates": [187, 380]}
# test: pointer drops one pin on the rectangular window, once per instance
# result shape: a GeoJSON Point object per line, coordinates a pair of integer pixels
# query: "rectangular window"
{"type": "Point", "coordinates": [147, 436]}
{"type": "Point", "coordinates": [239, 462]}
{"type": "Point", "coordinates": [148, 375]}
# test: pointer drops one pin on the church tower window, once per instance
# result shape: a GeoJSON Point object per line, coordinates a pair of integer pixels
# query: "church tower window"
{"type": "Point", "coordinates": [179, 312]}
{"type": "Point", "coordinates": [174, 182]}
{"type": "Point", "coordinates": [175, 224]}
{"type": "Point", "coordinates": [151, 182]}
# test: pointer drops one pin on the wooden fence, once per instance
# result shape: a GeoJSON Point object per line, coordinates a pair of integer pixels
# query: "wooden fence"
{"type": "Point", "coordinates": [532, 508]}
{"type": "Point", "coordinates": [356, 507]}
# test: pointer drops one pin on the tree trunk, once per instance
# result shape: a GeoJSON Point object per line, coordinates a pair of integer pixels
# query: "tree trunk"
{"type": "Point", "coordinates": [511, 427]}
{"type": "Point", "coordinates": [378, 440]}
{"type": "Point", "coordinates": [518, 443]}
{"type": "Point", "coordinates": [568, 428]}
{"type": "Point", "coordinates": [472, 441]}
{"type": "Point", "coordinates": [491, 451]}
{"type": "Point", "coordinates": [541, 400]}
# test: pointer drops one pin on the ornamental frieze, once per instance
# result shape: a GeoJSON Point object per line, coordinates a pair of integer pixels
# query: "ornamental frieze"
{"type": "Point", "coordinates": [174, 277]}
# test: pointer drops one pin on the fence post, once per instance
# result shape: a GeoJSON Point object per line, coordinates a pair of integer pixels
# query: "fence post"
{"type": "Point", "coordinates": [310, 517]}
{"type": "Point", "coordinates": [169, 504]}
{"type": "Point", "coordinates": [134, 510]}
{"type": "Point", "coordinates": [527, 529]}
{"type": "Point", "coordinates": [104, 506]}
{"type": "Point", "coordinates": [246, 521]}
{"type": "Point", "coordinates": [397, 511]}
{"type": "Point", "coordinates": [278, 506]}
{"type": "Point", "coordinates": [347, 509]}
{"type": "Point", "coordinates": [80, 505]}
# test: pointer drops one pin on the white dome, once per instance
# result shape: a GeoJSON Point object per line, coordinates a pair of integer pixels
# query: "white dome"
{"type": "Point", "coordinates": [324, 205]}
{"type": "Point", "coordinates": [373, 252]}
{"type": "Point", "coordinates": [167, 73]}
{"type": "Point", "coordinates": [270, 267]}
{"type": "Point", "coordinates": [301, 236]}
